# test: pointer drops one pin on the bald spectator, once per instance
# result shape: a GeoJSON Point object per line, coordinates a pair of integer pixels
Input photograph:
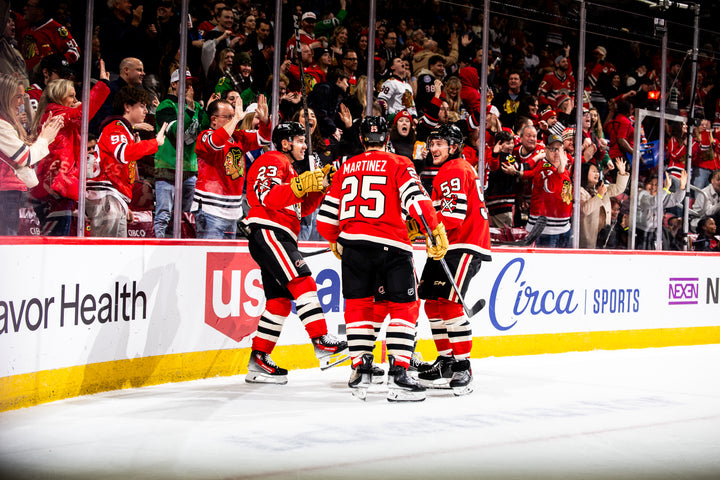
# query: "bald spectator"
{"type": "Point", "coordinates": [45, 36]}
{"type": "Point", "coordinates": [132, 72]}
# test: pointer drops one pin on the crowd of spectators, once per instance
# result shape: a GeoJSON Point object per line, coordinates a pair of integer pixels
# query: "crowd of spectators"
{"type": "Point", "coordinates": [427, 72]}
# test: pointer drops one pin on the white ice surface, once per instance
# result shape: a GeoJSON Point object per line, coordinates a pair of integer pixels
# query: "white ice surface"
{"type": "Point", "coordinates": [633, 414]}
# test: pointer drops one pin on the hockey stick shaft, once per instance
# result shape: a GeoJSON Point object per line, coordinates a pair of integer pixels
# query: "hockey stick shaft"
{"type": "Point", "coordinates": [315, 252]}
{"type": "Point", "coordinates": [481, 303]}
{"type": "Point", "coordinates": [303, 93]}
{"type": "Point", "coordinates": [531, 237]}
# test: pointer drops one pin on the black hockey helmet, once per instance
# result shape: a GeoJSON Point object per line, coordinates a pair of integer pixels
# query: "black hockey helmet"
{"type": "Point", "coordinates": [374, 129]}
{"type": "Point", "coordinates": [449, 132]}
{"type": "Point", "coordinates": [286, 131]}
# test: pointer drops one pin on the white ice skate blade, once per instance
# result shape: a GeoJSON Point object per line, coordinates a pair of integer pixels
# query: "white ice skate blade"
{"type": "Point", "coordinates": [260, 377]}
{"type": "Point", "coordinates": [401, 395]}
{"type": "Point", "coordinates": [460, 391]}
{"type": "Point", "coordinates": [439, 383]}
{"type": "Point", "coordinates": [360, 393]}
{"type": "Point", "coordinates": [332, 359]}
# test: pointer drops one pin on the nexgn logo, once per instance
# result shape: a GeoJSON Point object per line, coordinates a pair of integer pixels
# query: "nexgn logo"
{"type": "Point", "coordinates": [683, 291]}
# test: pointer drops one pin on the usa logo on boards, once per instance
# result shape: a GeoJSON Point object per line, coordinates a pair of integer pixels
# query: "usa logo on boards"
{"type": "Point", "coordinates": [683, 291]}
{"type": "Point", "coordinates": [234, 297]}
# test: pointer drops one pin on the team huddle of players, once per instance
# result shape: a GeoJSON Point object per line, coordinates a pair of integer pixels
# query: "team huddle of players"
{"type": "Point", "coordinates": [371, 209]}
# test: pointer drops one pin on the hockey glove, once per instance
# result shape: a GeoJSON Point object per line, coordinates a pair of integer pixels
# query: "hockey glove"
{"type": "Point", "coordinates": [413, 229]}
{"type": "Point", "coordinates": [307, 182]}
{"type": "Point", "coordinates": [439, 249]}
{"type": "Point", "coordinates": [328, 173]}
{"type": "Point", "coordinates": [336, 249]}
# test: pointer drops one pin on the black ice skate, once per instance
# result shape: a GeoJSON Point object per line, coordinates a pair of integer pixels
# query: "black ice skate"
{"type": "Point", "coordinates": [401, 386]}
{"type": "Point", "coordinates": [462, 378]}
{"type": "Point", "coordinates": [330, 350]}
{"type": "Point", "coordinates": [262, 369]}
{"type": "Point", "coordinates": [417, 364]}
{"type": "Point", "coordinates": [378, 374]}
{"type": "Point", "coordinates": [362, 377]}
{"type": "Point", "coordinates": [439, 373]}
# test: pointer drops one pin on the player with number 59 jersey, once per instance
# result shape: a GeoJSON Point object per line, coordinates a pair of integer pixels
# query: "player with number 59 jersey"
{"type": "Point", "coordinates": [460, 204]}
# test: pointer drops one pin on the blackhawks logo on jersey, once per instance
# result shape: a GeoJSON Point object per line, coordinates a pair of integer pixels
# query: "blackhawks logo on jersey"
{"type": "Point", "coordinates": [407, 99]}
{"type": "Point", "coordinates": [449, 204]}
{"type": "Point", "coordinates": [234, 163]}
{"type": "Point", "coordinates": [30, 47]}
{"type": "Point", "coordinates": [62, 31]}
{"type": "Point", "coordinates": [566, 194]}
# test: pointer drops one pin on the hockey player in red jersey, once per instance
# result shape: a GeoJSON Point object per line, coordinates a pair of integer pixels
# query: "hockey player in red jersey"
{"type": "Point", "coordinates": [363, 218]}
{"type": "Point", "coordinates": [459, 200]}
{"type": "Point", "coordinates": [118, 148]}
{"type": "Point", "coordinates": [278, 198]}
{"type": "Point", "coordinates": [217, 201]}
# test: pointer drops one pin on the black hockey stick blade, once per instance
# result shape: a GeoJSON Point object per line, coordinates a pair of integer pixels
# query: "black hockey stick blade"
{"type": "Point", "coordinates": [479, 305]}
{"type": "Point", "coordinates": [537, 230]}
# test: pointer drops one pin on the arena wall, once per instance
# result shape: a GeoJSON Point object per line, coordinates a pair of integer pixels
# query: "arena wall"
{"type": "Point", "coordinates": [81, 316]}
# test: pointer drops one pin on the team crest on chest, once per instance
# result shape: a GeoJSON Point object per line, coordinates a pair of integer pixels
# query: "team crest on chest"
{"type": "Point", "coordinates": [234, 163]}
{"type": "Point", "coordinates": [566, 195]}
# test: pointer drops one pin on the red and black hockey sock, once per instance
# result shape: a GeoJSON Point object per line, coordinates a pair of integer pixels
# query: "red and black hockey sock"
{"type": "Point", "coordinates": [360, 327]}
{"type": "Point", "coordinates": [304, 290]}
{"type": "Point", "coordinates": [270, 325]}
{"type": "Point", "coordinates": [458, 328]}
{"type": "Point", "coordinates": [380, 311]}
{"type": "Point", "coordinates": [437, 327]}
{"type": "Point", "coordinates": [401, 332]}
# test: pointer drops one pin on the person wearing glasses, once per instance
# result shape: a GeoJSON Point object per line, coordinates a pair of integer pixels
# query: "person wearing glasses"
{"type": "Point", "coordinates": [217, 201]}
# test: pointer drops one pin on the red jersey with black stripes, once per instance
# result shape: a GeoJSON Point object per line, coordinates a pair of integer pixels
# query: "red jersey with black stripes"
{"type": "Point", "coordinates": [272, 202]}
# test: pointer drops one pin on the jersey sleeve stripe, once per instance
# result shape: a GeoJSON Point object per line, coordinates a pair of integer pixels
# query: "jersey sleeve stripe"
{"type": "Point", "coordinates": [120, 152]}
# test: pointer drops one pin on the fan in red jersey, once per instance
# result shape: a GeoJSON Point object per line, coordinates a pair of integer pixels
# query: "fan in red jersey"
{"type": "Point", "coordinates": [118, 149]}
{"type": "Point", "coordinates": [363, 217]}
{"type": "Point", "coordinates": [217, 201]}
{"type": "Point", "coordinates": [278, 199]}
{"type": "Point", "coordinates": [458, 198]}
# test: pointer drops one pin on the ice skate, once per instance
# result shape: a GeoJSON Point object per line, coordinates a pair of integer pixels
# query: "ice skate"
{"type": "Point", "coordinates": [417, 364]}
{"type": "Point", "coordinates": [262, 369]}
{"type": "Point", "coordinates": [439, 373]}
{"type": "Point", "coordinates": [462, 378]}
{"type": "Point", "coordinates": [378, 374]}
{"type": "Point", "coordinates": [330, 350]}
{"type": "Point", "coordinates": [362, 377]}
{"type": "Point", "coordinates": [401, 386]}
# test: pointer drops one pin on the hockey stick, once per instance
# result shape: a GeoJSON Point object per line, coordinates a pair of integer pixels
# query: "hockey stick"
{"type": "Point", "coordinates": [537, 230]}
{"type": "Point", "coordinates": [480, 304]}
{"type": "Point", "coordinates": [315, 252]}
{"type": "Point", "coordinates": [303, 93]}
